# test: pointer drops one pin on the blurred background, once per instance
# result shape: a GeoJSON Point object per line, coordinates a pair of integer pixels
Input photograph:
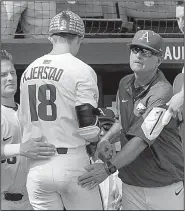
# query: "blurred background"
{"type": "Point", "coordinates": [110, 25]}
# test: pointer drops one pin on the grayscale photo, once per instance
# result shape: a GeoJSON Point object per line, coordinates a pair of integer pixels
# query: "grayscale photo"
{"type": "Point", "coordinates": [92, 105]}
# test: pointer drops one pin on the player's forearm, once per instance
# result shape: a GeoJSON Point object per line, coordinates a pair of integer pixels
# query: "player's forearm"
{"type": "Point", "coordinates": [113, 133]}
{"type": "Point", "coordinates": [10, 150]}
{"type": "Point", "coordinates": [129, 152]}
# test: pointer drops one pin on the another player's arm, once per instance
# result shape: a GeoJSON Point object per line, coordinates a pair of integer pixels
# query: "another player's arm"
{"type": "Point", "coordinates": [175, 105]}
{"type": "Point", "coordinates": [10, 150]}
{"type": "Point", "coordinates": [33, 148]}
{"type": "Point", "coordinates": [139, 136]}
{"type": "Point", "coordinates": [7, 150]}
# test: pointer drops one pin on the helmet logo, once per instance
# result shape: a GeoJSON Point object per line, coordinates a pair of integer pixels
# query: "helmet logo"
{"type": "Point", "coordinates": [63, 24]}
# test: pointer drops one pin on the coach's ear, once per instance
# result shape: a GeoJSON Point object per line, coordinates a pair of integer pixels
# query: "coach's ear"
{"type": "Point", "coordinates": [160, 60]}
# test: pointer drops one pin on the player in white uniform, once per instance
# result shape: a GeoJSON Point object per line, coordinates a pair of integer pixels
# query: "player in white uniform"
{"type": "Point", "coordinates": [14, 168]}
{"type": "Point", "coordinates": [177, 101]}
{"type": "Point", "coordinates": [58, 92]}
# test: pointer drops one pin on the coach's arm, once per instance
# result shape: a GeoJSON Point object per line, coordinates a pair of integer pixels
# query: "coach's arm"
{"type": "Point", "coordinates": [141, 134]}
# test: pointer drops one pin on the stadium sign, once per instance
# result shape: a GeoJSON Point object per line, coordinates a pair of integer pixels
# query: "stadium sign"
{"type": "Point", "coordinates": [174, 53]}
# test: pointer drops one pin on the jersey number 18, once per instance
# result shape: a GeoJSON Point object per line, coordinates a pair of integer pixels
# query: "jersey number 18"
{"type": "Point", "coordinates": [44, 102]}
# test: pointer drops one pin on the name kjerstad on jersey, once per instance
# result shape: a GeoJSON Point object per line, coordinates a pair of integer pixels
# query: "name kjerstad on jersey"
{"type": "Point", "coordinates": [43, 72]}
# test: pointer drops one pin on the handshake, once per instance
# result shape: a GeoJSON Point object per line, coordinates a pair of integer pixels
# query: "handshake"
{"type": "Point", "coordinates": [102, 150]}
{"type": "Point", "coordinates": [98, 146]}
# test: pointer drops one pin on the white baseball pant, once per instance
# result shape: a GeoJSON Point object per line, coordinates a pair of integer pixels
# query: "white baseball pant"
{"type": "Point", "coordinates": [52, 184]}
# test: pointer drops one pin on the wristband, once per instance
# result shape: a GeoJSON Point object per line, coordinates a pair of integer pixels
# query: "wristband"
{"type": "Point", "coordinates": [11, 150]}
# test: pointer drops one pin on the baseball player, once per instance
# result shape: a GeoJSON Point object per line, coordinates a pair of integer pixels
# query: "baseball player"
{"type": "Point", "coordinates": [58, 100]}
{"type": "Point", "coordinates": [151, 162]}
{"type": "Point", "coordinates": [176, 102]}
{"type": "Point", "coordinates": [111, 187]}
{"type": "Point", "coordinates": [14, 169]}
{"type": "Point", "coordinates": [13, 166]}
{"type": "Point", "coordinates": [33, 16]}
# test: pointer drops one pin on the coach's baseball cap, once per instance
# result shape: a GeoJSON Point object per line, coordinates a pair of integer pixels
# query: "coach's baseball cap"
{"type": "Point", "coordinates": [67, 22]}
{"type": "Point", "coordinates": [149, 40]}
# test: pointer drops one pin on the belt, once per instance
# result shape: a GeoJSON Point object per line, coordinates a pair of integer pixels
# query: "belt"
{"type": "Point", "coordinates": [13, 196]}
{"type": "Point", "coordinates": [62, 150]}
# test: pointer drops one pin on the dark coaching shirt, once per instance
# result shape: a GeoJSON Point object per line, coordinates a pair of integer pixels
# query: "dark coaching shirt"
{"type": "Point", "coordinates": [161, 163]}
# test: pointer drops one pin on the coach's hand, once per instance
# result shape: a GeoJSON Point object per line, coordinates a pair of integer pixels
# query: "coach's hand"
{"type": "Point", "coordinates": [36, 148]}
{"type": "Point", "coordinates": [96, 174]}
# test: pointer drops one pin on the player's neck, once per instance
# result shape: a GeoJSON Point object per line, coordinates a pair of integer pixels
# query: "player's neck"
{"type": "Point", "coordinates": [9, 102]}
{"type": "Point", "coordinates": [60, 49]}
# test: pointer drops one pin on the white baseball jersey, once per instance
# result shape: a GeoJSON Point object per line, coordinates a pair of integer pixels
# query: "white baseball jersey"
{"type": "Point", "coordinates": [34, 17]}
{"type": "Point", "coordinates": [13, 170]}
{"type": "Point", "coordinates": [51, 87]}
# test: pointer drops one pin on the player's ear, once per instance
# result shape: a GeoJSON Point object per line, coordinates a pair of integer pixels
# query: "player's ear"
{"type": "Point", "coordinates": [79, 39]}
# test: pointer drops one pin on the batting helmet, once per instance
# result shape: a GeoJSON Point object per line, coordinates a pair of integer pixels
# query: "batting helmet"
{"type": "Point", "coordinates": [67, 22]}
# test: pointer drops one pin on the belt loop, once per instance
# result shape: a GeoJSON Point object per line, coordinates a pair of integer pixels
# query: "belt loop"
{"type": "Point", "coordinates": [62, 150]}
{"type": "Point", "coordinates": [13, 196]}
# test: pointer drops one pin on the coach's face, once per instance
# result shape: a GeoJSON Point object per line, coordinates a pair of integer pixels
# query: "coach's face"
{"type": "Point", "coordinates": [8, 79]}
{"type": "Point", "coordinates": [180, 17]}
{"type": "Point", "coordinates": [143, 60]}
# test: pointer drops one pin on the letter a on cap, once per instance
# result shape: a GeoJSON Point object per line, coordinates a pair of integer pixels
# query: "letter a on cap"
{"type": "Point", "coordinates": [144, 36]}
